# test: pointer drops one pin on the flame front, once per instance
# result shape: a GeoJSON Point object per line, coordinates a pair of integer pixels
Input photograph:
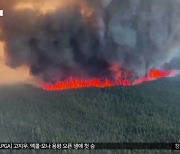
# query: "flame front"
{"type": "Point", "coordinates": [90, 43]}
{"type": "Point", "coordinates": [75, 83]}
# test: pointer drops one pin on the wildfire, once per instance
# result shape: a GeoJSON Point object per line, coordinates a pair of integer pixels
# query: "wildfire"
{"type": "Point", "coordinates": [74, 83]}
{"type": "Point", "coordinates": [156, 74]}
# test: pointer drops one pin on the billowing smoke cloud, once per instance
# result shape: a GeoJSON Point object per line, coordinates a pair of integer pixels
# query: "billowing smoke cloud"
{"type": "Point", "coordinates": [85, 38]}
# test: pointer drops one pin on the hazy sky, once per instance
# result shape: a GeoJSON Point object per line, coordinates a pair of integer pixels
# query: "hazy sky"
{"type": "Point", "coordinates": [8, 75]}
{"type": "Point", "coordinates": [140, 36]}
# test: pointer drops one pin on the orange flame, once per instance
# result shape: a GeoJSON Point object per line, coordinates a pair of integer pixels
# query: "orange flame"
{"type": "Point", "coordinates": [156, 74]}
{"type": "Point", "coordinates": [74, 83]}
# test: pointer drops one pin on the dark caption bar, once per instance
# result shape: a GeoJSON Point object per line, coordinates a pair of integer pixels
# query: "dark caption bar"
{"type": "Point", "coordinates": [150, 146]}
{"type": "Point", "coordinates": [89, 146]}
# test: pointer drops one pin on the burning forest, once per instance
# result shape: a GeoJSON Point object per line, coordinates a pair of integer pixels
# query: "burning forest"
{"type": "Point", "coordinates": [89, 75]}
{"type": "Point", "coordinates": [68, 44]}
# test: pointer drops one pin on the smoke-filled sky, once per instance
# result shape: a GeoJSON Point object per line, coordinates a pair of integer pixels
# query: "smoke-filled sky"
{"type": "Point", "coordinates": [57, 39]}
{"type": "Point", "coordinates": [9, 75]}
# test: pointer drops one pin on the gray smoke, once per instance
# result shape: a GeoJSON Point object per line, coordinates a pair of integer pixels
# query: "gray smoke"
{"type": "Point", "coordinates": [138, 35]}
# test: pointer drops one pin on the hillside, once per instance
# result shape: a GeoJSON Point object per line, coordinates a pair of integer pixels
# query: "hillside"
{"type": "Point", "coordinates": [145, 113]}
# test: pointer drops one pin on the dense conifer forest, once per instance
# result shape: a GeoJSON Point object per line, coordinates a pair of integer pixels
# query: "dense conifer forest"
{"type": "Point", "coordinates": [149, 112]}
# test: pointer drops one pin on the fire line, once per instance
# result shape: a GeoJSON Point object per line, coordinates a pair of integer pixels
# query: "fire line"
{"type": "Point", "coordinates": [75, 83]}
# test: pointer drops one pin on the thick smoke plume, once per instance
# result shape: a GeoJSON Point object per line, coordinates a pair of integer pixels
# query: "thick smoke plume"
{"type": "Point", "coordinates": [92, 38]}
